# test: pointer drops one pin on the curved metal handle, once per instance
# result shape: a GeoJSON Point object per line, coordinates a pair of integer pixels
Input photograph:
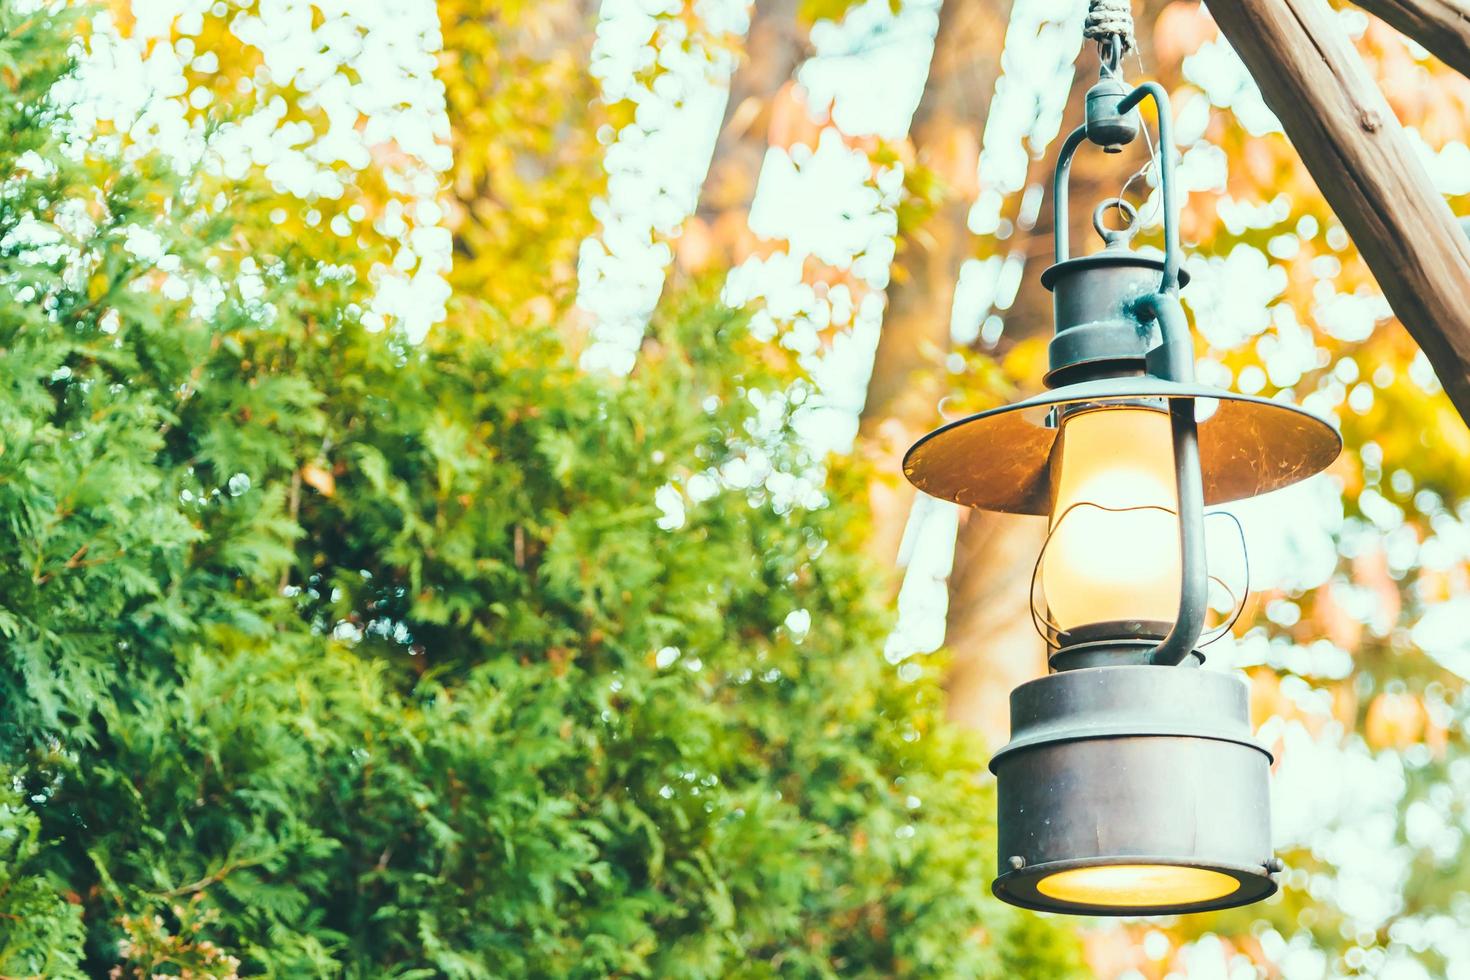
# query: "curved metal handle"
{"type": "Point", "coordinates": [1061, 181]}
{"type": "Point", "coordinates": [1176, 358]}
{"type": "Point", "coordinates": [1194, 576]}
{"type": "Point", "coordinates": [1155, 91]}
{"type": "Point", "coordinates": [1060, 189]}
{"type": "Point", "coordinates": [1173, 358]}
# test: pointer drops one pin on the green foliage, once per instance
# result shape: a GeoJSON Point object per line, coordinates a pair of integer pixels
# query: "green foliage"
{"type": "Point", "coordinates": [41, 928]}
{"type": "Point", "coordinates": [331, 656]}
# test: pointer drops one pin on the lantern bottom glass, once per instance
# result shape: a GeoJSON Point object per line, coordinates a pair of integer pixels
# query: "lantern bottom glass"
{"type": "Point", "coordinates": [1118, 886]}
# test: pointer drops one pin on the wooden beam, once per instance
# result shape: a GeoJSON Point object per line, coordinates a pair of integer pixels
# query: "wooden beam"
{"type": "Point", "coordinates": [1442, 26]}
{"type": "Point", "coordinates": [1338, 121]}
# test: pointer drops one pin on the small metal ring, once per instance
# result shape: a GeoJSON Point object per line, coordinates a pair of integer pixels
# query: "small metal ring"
{"type": "Point", "coordinates": [1112, 236]}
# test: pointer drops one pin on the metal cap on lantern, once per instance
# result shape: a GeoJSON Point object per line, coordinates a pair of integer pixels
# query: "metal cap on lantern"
{"type": "Point", "coordinates": [1131, 784]}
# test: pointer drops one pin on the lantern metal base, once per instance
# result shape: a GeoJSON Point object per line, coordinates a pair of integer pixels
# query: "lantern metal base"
{"type": "Point", "coordinates": [1132, 765]}
{"type": "Point", "coordinates": [1117, 644]}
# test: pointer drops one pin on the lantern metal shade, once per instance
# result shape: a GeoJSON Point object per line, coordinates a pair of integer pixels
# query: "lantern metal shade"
{"type": "Point", "coordinates": [1138, 769]}
{"type": "Point", "coordinates": [1001, 459]}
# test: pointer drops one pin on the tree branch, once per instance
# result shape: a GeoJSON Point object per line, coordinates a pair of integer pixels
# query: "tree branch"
{"type": "Point", "coordinates": [1314, 81]}
{"type": "Point", "coordinates": [1442, 26]}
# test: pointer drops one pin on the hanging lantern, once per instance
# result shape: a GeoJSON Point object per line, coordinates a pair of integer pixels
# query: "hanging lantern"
{"type": "Point", "coordinates": [1131, 784]}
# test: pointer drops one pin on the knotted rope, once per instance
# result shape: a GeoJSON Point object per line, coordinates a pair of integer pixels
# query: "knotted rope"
{"type": "Point", "coordinates": [1110, 19]}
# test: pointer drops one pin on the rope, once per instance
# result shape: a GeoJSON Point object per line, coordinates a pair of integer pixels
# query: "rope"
{"type": "Point", "coordinates": [1110, 18]}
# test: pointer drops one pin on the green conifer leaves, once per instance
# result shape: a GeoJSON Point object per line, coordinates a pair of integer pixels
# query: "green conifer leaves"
{"type": "Point", "coordinates": [328, 655]}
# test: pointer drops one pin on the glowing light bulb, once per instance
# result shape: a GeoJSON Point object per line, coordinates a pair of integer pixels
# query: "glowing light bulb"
{"type": "Point", "coordinates": [1104, 566]}
{"type": "Point", "coordinates": [1137, 885]}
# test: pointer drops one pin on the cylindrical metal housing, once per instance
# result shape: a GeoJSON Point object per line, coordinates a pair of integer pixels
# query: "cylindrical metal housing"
{"type": "Point", "coordinates": [1134, 767]}
{"type": "Point", "coordinates": [1097, 331]}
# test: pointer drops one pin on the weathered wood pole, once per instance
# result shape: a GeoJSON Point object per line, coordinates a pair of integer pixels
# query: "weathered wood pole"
{"type": "Point", "coordinates": [1355, 149]}
{"type": "Point", "coordinates": [1442, 26]}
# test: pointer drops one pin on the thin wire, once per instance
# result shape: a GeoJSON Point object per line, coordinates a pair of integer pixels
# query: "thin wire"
{"type": "Point", "coordinates": [1220, 631]}
{"type": "Point", "coordinates": [1116, 71]}
{"type": "Point", "coordinates": [1039, 621]}
{"type": "Point", "coordinates": [1048, 630]}
{"type": "Point", "coordinates": [1144, 171]}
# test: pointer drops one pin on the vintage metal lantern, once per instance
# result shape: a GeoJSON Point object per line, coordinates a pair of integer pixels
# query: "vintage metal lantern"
{"type": "Point", "coordinates": [1131, 784]}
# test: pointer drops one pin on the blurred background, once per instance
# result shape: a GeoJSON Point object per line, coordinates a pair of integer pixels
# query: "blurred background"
{"type": "Point", "coordinates": [869, 183]}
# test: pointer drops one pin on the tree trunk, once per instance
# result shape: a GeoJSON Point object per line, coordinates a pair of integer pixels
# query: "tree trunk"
{"type": "Point", "coordinates": [908, 379]}
{"type": "Point", "coordinates": [1442, 26]}
{"type": "Point", "coordinates": [996, 646]}
{"type": "Point", "coordinates": [1352, 144]}
{"type": "Point", "coordinates": [946, 125]}
{"type": "Point", "coordinates": [775, 45]}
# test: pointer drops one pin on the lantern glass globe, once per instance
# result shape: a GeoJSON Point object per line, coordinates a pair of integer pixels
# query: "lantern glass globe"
{"type": "Point", "coordinates": [1113, 556]}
